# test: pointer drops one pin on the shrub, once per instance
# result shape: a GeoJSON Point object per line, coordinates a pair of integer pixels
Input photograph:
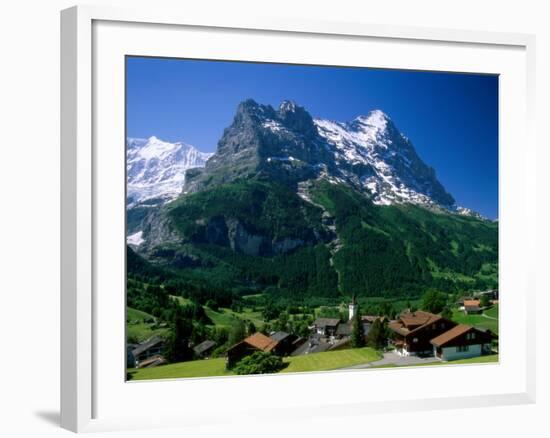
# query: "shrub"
{"type": "Point", "coordinates": [259, 363]}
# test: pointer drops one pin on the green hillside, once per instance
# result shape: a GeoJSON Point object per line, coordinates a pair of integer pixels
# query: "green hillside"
{"type": "Point", "coordinates": [254, 236]}
{"type": "Point", "coordinates": [403, 249]}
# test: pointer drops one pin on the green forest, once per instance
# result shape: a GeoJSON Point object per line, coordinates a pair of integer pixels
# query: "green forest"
{"type": "Point", "coordinates": [397, 251]}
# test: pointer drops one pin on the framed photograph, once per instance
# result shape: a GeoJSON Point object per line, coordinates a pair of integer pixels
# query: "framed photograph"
{"type": "Point", "coordinates": [269, 211]}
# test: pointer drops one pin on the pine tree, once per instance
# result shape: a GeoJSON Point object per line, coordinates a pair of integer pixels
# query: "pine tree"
{"type": "Point", "coordinates": [447, 313]}
{"type": "Point", "coordinates": [377, 335]}
{"type": "Point", "coordinates": [177, 344]}
{"type": "Point", "coordinates": [357, 330]}
{"type": "Point", "coordinates": [251, 328]}
{"type": "Point", "coordinates": [237, 333]}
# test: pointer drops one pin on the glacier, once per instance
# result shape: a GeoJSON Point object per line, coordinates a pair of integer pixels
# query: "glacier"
{"type": "Point", "coordinates": [155, 169]}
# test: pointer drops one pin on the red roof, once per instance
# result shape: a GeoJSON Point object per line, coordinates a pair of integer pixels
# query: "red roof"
{"type": "Point", "coordinates": [261, 342]}
{"type": "Point", "coordinates": [471, 303]}
{"type": "Point", "coordinates": [409, 322]}
{"type": "Point", "coordinates": [418, 318]}
{"type": "Point", "coordinates": [449, 335]}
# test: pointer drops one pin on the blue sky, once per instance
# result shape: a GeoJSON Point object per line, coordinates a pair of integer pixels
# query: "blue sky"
{"type": "Point", "coordinates": [451, 119]}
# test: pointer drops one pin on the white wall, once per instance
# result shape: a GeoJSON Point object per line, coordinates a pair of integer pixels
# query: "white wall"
{"type": "Point", "coordinates": [29, 219]}
{"type": "Point", "coordinates": [452, 353]}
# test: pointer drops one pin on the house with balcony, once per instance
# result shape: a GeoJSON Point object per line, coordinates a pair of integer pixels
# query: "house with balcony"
{"type": "Point", "coordinates": [462, 342]}
{"type": "Point", "coordinates": [412, 332]}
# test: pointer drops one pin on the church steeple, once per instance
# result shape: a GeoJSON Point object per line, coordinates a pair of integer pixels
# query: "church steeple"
{"type": "Point", "coordinates": [352, 307]}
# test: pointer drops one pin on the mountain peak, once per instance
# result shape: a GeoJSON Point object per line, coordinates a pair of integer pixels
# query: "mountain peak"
{"type": "Point", "coordinates": [369, 154]}
{"type": "Point", "coordinates": [287, 106]}
{"type": "Point", "coordinates": [296, 118]}
{"type": "Point", "coordinates": [247, 104]}
{"type": "Point", "coordinates": [377, 119]}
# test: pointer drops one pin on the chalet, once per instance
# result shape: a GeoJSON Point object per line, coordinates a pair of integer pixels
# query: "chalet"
{"type": "Point", "coordinates": [205, 348]}
{"type": "Point", "coordinates": [152, 347]}
{"type": "Point", "coordinates": [460, 301]}
{"type": "Point", "coordinates": [152, 361]}
{"type": "Point", "coordinates": [256, 342]}
{"type": "Point", "coordinates": [472, 306]}
{"type": "Point", "coordinates": [286, 343]}
{"type": "Point", "coordinates": [461, 342]}
{"type": "Point", "coordinates": [413, 331]}
{"type": "Point", "coordinates": [326, 326]}
{"type": "Point", "coordinates": [344, 329]}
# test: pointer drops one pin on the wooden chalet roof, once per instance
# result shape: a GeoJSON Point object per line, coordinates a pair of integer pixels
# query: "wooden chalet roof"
{"type": "Point", "coordinates": [397, 326]}
{"type": "Point", "coordinates": [410, 322]}
{"type": "Point", "coordinates": [418, 318]}
{"type": "Point", "coordinates": [453, 333]}
{"type": "Point", "coordinates": [150, 343]}
{"type": "Point", "coordinates": [204, 346]}
{"type": "Point", "coordinates": [152, 361]}
{"type": "Point", "coordinates": [261, 342]}
{"type": "Point", "coordinates": [326, 322]}
{"type": "Point", "coordinates": [471, 304]}
{"type": "Point", "coordinates": [279, 336]}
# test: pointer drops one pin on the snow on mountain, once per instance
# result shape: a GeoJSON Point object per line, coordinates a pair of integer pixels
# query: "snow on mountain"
{"type": "Point", "coordinates": [467, 212]}
{"type": "Point", "coordinates": [135, 239]}
{"type": "Point", "coordinates": [390, 168]}
{"type": "Point", "coordinates": [368, 153]}
{"type": "Point", "coordinates": [156, 169]}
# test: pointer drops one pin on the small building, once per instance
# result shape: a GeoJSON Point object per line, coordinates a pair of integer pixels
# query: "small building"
{"type": "Point", "coordinates": [285, 342]}
{"type": "Point", "coordinates": [205, 348]}
{"type": "Point", "coordinates": [472, 306]}
{"type": "Point", "coordinates": [152, 361]}
{"type": "Point", "coordinates": [413, 331]}
{"type": "Point", "coordinates": [256, 342]}
{"type": "Point", "coordinates": [326, 326]}
{"type": "Point", "coordinates": [344, 329]}
{"type": "Point", "coordinates": [461, 342]}
{"type": "Point", "coordinates": [152, 347]}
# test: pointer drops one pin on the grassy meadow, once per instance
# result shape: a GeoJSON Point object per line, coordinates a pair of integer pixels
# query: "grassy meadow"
{"type": "Point", "coordinates": [326, 361]}
{"type": "Point", "coordinates": [488, 319]}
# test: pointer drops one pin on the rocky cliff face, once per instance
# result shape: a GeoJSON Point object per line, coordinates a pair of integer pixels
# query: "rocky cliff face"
{"type": "Point", "coordinates": [284, 146]}
{"type": "Point", "coordinates": [288, 145]}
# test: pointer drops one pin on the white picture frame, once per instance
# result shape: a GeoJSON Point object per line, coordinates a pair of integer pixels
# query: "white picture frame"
{"type": "Point", "coordinates": [91, 38]}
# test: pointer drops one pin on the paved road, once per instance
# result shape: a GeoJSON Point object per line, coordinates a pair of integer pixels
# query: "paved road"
{"type": "Point", "coordinates": [391, 358]}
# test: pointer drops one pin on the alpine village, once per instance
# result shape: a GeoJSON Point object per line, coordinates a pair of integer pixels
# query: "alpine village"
{"type": "Point", "coordinates": [300, 245]}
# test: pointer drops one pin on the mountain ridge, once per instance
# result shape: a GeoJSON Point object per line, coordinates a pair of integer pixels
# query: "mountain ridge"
{"type": "Point", "coordinates": [298, 206]}
{"type": "Point", "coordinates": [369, 152]}
{"type": "Point", "coordinates": [287, 144]}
